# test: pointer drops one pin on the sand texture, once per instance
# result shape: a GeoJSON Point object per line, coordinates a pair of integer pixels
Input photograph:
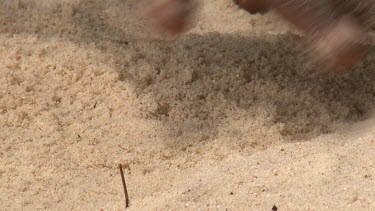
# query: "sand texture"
{"type": "Point", "coordinates": [227, 117]}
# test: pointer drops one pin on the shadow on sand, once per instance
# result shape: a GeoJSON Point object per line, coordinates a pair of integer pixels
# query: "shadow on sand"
{"type": "Point", "coordinates": [201, 84]}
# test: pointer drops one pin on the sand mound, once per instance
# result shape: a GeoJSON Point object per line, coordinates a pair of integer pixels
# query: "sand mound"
{"type": "Point", "coordinates": [228, 116]}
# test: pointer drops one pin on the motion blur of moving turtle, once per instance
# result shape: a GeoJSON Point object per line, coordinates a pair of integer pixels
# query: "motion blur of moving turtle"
{"type": "Point", "coordinates": [333, 29]}
{"type": "Point", "coordinates": [171, 17]}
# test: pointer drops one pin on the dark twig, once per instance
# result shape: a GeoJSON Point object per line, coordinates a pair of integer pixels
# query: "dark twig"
{"type": "Point", "coordinates": [274, 208]}
{"type": "Point", "coordinates": [124, 185]}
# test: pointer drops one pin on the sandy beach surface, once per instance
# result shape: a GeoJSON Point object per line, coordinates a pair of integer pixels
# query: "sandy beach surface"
{"type": "Point", "coordinates": [227, 117]}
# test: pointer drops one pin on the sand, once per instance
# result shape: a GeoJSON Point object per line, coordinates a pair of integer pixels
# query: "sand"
{"type": "Point", "coordinates": [230, 116]}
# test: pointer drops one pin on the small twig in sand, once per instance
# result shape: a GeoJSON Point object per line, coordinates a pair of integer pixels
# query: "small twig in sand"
{"type": "Point", "coordinates": [124, 185]}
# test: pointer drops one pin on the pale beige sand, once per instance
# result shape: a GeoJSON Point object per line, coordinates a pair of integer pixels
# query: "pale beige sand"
{"type": "Point", "coordinates": [228, 117]}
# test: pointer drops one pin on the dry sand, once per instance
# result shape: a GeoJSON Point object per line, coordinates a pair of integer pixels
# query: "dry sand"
{"type": "Point", "coordinates": [228, 117]}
